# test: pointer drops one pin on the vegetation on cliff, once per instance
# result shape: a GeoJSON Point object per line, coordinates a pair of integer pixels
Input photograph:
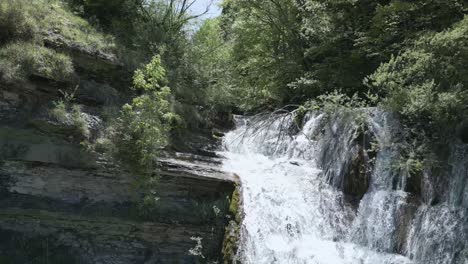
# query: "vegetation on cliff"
{"type": "Point", "coordinates": [144, 125]}
{"type": "Point", "coordinates": [406, 56]}
{"type": "Point", "coordinates": [103, 68]}
{"type": "Point", "coordinates": [30, 32]}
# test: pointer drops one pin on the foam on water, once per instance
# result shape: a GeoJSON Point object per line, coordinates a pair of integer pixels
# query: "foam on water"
{"type": "Point", "coordinates": [292, 215]}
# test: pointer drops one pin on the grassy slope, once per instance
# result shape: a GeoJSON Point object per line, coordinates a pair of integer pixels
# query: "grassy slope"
{"type": "Point", "coordinates": [24, 27]}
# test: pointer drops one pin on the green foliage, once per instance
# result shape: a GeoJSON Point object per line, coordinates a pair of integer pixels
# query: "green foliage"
{"type": "Point", "coordinates": [211, 56]}
{"type": "Point", "coordinates": [79, 121]}
{"type": "Point", "coordinates": [59, 112]}
{"type": "Point", "coordinates": [427, 83]}
{"type": "Point", "coordinates": [20, 60]}
{"type": "Point", "coordinates": [69, 113]}
{"type": "Point", "coordinates": [143, 128]}
{"type": "Point", "coordinates": [28, 30]}
{"type": "Point", "coordinates": [141, 28]}
{"type": "Point", "coordinates": [293, 51]}
{"type": "Point", "coordinates": [266, 49]}
{"type": "Point", "coordinates": [145, 28]}
{"type": "Point", "coordinates": [65, 111]}
{"type": "Point", "coordinates": [337, 101]}
{"type": "Point", "coordinates": [33, 20]}
{"type": "Point", "coordinates": [348, 39]}
{"type": "Point", "coordinates": [394, 25]}
{"type": "Point", "coordinates": [151, 77]}
{"type": "Point", "coordinates": [15, 23]}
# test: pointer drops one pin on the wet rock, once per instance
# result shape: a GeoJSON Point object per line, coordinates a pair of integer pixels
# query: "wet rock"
{"type": "Point", "coordinates": [233, 230]}
{"type": "Point", "coordinates": [405, 216]}
{"type": "Point", "coordinates": [462, 132]}
{"type": "Point", "coordinates": [345, 155]}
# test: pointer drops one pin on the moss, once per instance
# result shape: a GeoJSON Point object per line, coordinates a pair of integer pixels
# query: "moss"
{"type": "Point", "coordinates": [235, 204]}
{"type": "Point", "coordinates": [232, 234]}
{"type": "Point", "coordinates": [74, 30]}
{"type": "Point", "coordinates": [231, 242]}
{"type": "Point", "coordinates": [14, 23]}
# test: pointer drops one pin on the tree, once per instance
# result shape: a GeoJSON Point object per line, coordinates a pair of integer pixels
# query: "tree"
{"type": "Point", "coordinates": [211, 56]}
{"type": "Point", "coordinates": [266, 49]}
{"type": "Point", "coordinates": [427, 83]}
{"type": "Point", "coordinates": [143, 128]}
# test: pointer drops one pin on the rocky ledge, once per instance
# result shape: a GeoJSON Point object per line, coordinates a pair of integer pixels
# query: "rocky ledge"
{"type": "Point", "coordinates": [61, 204]}
{"type": "Point", "coordinates": [54, 214]}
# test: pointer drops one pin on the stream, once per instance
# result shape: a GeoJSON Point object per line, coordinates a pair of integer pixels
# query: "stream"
{"type": "Point", "coordinates": [293, 215]}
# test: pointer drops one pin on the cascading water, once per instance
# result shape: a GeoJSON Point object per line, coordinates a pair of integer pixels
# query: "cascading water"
{"type": "Point", "coordinates": [292, 215]}
{"type": "Point", "coordinates": [297, 210]}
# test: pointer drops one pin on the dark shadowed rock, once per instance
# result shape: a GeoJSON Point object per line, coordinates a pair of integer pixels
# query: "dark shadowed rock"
{"type": "Point", "coordinates": [345, 155]}
{"type": "Point", "coordinates": [94, 214]}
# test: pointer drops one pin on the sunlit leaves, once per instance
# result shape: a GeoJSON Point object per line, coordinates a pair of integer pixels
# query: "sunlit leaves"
{"type": "Point", "coordinates": [144, 125]}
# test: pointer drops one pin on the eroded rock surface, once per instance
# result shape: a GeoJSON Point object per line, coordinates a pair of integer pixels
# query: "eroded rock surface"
{"type": "Point", "coordinates": [94, 214]}
{"type": "Point", "coordinates": [61, 204]}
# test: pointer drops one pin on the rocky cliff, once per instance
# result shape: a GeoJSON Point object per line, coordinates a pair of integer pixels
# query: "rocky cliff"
{"type": "Point", "coordinates": [60, 203]}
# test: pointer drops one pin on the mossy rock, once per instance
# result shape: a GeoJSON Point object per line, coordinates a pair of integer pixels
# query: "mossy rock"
{"type": "Point", "coordinates": [232, 234]}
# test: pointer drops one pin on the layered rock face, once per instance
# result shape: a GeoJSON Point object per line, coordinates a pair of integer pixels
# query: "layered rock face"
{"type": "Point", "coordinates": [89, 216]}
{"type": "Point", "coordinates": [59, 204]}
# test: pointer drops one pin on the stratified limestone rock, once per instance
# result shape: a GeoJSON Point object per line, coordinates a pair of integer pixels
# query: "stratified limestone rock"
{"type": "Point", "coordinates": [33, 146]}
{"type": "Point", "coordinates": [94, 214]}
{"type": "Point", "coordinates": [61, 204]}
{"type": "Point", "coordinates": [107, 240]}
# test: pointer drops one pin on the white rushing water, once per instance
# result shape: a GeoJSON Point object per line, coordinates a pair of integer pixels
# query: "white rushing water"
{"type": "Point", "coordinates": [292, 215]}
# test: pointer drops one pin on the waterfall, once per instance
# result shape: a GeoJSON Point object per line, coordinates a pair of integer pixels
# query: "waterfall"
{"type": "Point", "coordinates": [297, 209]}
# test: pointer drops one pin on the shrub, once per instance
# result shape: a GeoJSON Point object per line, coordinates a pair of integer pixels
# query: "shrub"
{"type": "Point", "coordinates": [20, 60]}
{"type": "Point", "coordinates": [78, 121]}
{"type": "Point", "coordinates": [143, 128]}
{"type": "Point", "coordinates": [427, 83]}
{"type": "Point", "coordinates": [68, 113]}
{"type": "Point", "coordinates": [338, 101]}
{"type": "Point", "coordinates": [59, 112]}
{"type": "Point", "coordinates": [14, 22]}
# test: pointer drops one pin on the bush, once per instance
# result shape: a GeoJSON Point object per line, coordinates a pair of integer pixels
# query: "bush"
{"type": "Point", "coordinates": [427, 83]}
{"type": "Point", "coordinates": [21, 60]}
{"type": "Point", "coordinates": [59, 112]}
{"type": "Point", "coordinates": [338, 101]}
{"type": "Point", "coordinates": [143, 128]}
{"type": "Point", "coordinates": [71, 114]}
{"type": "Point", "coordinates": [15, 23]}
{"type": "Point", "coordinates": [79, 122]}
